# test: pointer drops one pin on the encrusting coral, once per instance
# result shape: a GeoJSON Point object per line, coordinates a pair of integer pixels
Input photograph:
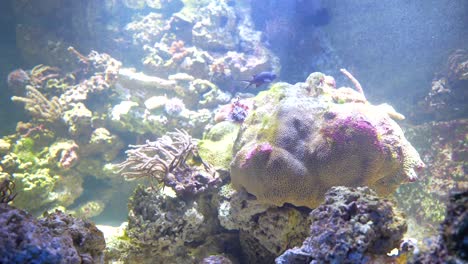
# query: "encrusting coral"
{"type": "Point", "coordinates": [301, 140]}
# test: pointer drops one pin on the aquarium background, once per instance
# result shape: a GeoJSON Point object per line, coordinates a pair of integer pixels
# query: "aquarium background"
{"type": "Point", "coordinates": [412, 55]}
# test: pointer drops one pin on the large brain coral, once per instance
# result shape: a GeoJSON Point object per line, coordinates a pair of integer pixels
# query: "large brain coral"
{"type": "Point", "coordinates": [294, 146]}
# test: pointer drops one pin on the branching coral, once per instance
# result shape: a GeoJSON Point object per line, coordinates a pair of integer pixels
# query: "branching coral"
{"type": "Point", "coordinates": [355, 82]}
{"type": "Point", "coordinates": [166, 161]}
{"type": "Point", "coordinates": [41, 73]}
{"type": "Point", "coordinates": [39, 106]}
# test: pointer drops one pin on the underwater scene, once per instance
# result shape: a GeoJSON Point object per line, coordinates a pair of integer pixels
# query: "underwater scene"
{"type": "Point", "coordinates": [233, 131]}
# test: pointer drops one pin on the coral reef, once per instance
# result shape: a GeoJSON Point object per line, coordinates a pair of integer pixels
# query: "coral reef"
{"type": "Point", "coordinates": [352, 226]}
{"type": "Point", "coordinates": [179, 101]}
{"type": "Point", "coordinates": [56, 238]}
{"type": "Point", "coordinates": [282, 150]}
{"type": "Point", "coordinates": [64, 131]}
{"type": "Point", "coordinates": [203, 42]}
{"type": "Point", "coordinates": [302, 139]}
{"type": "Point", "coordinates": [38, 176]}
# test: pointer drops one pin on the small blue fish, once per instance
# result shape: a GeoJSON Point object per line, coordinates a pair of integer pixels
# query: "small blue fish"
{"type": "Point", "coordinates": [260, 79]}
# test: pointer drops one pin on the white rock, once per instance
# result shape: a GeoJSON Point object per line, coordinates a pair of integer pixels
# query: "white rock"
{"type": "Point", "coordinates": [155, 102]}
{"type": "Point", "coordinates": [122, 109]}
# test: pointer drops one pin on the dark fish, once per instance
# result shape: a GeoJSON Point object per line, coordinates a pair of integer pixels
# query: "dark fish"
{"type": "Point", "coordinates": [260, 79]}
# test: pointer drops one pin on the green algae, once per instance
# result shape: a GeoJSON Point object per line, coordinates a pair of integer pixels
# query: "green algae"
{"type": "Point", "coordinates": [216, 147]}
{"type": "Point", "coordinates": [36, 189]}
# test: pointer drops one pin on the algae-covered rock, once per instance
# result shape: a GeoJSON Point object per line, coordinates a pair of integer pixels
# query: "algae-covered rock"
{"type": "Point", "coordinates": [64, 153]}
{"type": "Point", "coordinates": [42, 173]}
{"type": "Point", "coordinates": [78, 119]}
{"type": "Point", "coordinates": [168, 229]}
{"type": "Point", "coordinates": [26, 240]}
{"type": "Point", "coordinates": [217, 28]}
{"type": "Point", "coordinates": [36, 189]}
{"type": "Point", "coordinates": [265, 230]}
{"type": "Point", "coordinates": [104, 144]}
{"type": "Point", "coordinates": [4, 146]}
{"type": "Point", "coordinates": [216, 147]}
{"type": "Point", "coordinates": [352, 226]}
{"type": "Point", "coordinates": [42, 189]}
{"type": "Point", "coordinates": [298, 142]}
{"type": "Point", "coordinates": [444, 147]}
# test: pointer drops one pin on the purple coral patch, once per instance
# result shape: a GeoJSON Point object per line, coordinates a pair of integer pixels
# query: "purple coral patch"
{"type": "Point", "coordinates": [263, 149]}
{"type": "Point", "coordinates": [349, 129]}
